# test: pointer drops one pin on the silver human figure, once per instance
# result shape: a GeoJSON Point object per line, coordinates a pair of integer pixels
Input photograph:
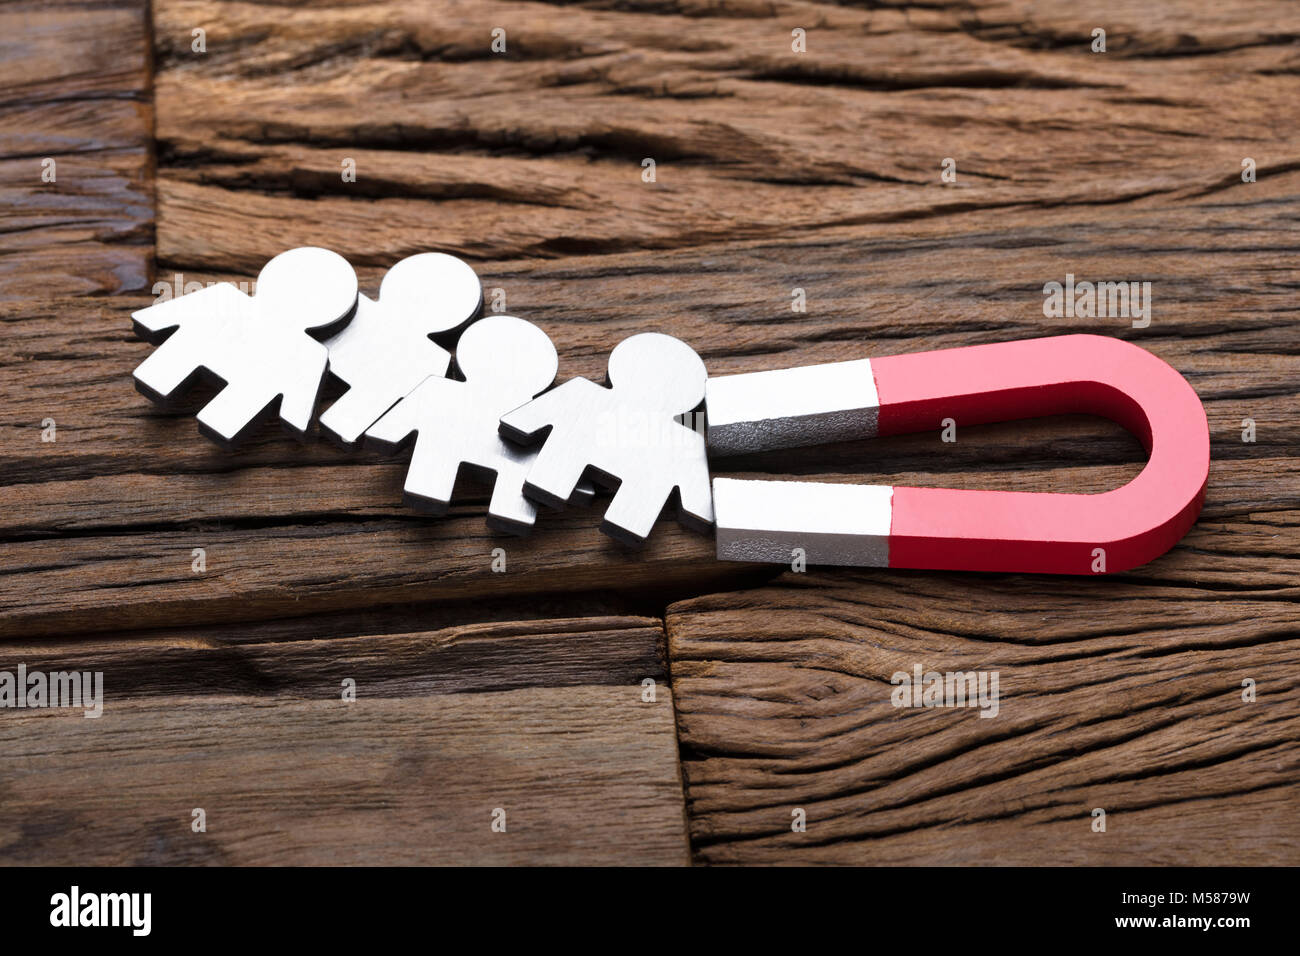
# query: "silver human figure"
{"type": "Point", "coordinates": [505, 362]}
{"type": "Point", "coordinates": [257, 345]}
{"type": "Point", "coordinates": [626, 435]}
{"type": "Point", "coordinates": [385, 351]}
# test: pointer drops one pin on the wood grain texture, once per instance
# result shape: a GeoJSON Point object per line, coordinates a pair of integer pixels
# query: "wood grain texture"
{"type": "Point", "coordinates": [775, 171]}
{"type": "Point", "coordinates": [75, 79]}
{"type": "Point", "coordinates": [543, 719]}
{"type": "Point", "coordinates": [529, 153]}
{"type": "Point", "coordinates": [1119, 695]}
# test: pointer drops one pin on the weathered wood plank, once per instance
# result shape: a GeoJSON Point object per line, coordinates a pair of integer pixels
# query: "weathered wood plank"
{"type": "Point", "coordinates": [544, 719]}
{"type": "Point", "coordinates": [524, 153]}
{"type": "Point", "coordinates": [148, 579]}
{"type": "Point", "coordinates": [75, 76]}
{"type": "Point", "coordinates": [1123, 695]}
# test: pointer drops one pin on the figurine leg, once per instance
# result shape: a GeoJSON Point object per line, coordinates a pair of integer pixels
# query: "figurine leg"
{"type": "Point", "coordinates": [227, 416]}
{"type": "Point", "coordinates": [632, 513]}
{"type": "Point", "coordinates": [430, 480]}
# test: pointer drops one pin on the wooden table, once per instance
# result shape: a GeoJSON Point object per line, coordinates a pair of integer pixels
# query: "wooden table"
{"type": "Point", "coordinates": [526, 696]}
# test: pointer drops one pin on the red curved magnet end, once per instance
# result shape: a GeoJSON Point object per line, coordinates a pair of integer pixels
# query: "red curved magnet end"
{"type": "Point", "coordinates": [1035, 531]}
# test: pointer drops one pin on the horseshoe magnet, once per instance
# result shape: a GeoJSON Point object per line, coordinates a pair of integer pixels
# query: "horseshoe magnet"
{"type": "Point", "coordinates": [946, 528]}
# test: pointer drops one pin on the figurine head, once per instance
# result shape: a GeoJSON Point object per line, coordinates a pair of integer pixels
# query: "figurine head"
{"type": "Point", "coordinates": [512, 354]}
{"type": "Point", "coordinates": [306, 288]}
{"type": "Point", "coordinates": [658, 372]}
{"type": "Point", "coordinates": [432, 292]}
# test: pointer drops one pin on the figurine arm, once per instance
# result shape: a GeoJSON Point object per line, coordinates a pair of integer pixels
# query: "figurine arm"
{"type": "Point", "coordinates": [694, 490]}
{"type": "Point", "coordinates": [523, 424]}
{"type": "Point", "coordinates": [213, 303]}
{"type": "Point", "coordinates": [407, 416]}
{"type": "Point", "coordinates": [298, 400]}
